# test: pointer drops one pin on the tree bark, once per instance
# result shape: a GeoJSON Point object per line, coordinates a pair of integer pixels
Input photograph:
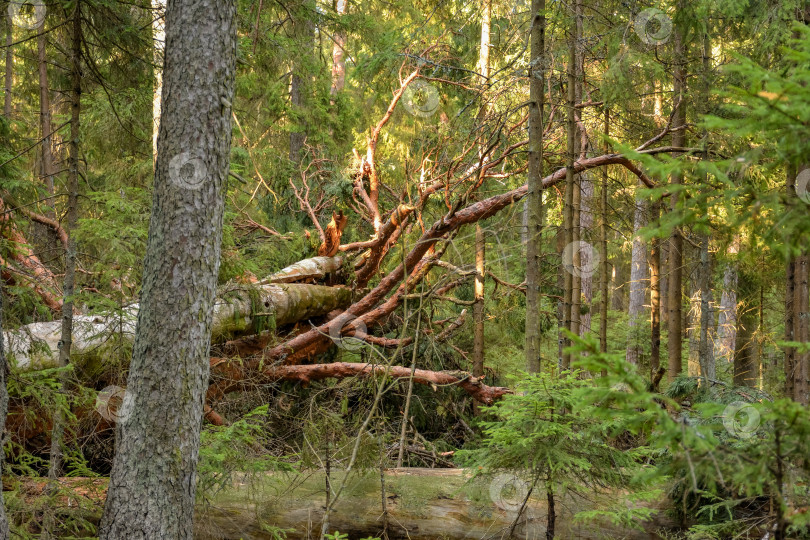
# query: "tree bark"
{"type": "Point", "coordinates": [705, 349]}
{"type": "Point", "coordinates": [534, 202]}
{"type": "Point", "coordinates": [9, 69]}
{"type": "Point", "coordinates": [674, 319]}
{"type": "Point", "coordinates": [153, 478]}
{"type": "Point", "coordinates": [655, 296]}
{"type": "Point", "coordinates": [338, 63]}
{"type": "Point", "coordinates": [745, 359]}
{"type": "Point", "coordinates": [47, 170]}
{"type": "Point", "coordinates": [604, 265]}
{"type": "Point", "coordinates": [480, 239]}
{"type": "Point", "coordinates": [66, 337]}
{"type": "Point", "coordinates": [303, 37]}
{"type": "Point", "coordinates": [159, 42]}
{"type": "Point", "coordinates": [638, 288]}
{"type": "Point", "coordinates": [241, 311]}
{"type": "Point", "coordinates": [4, 371]}
{"type": "Point", "coordinates": [569, 224]}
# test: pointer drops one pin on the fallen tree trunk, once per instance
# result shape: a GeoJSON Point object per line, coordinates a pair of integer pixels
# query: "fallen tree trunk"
{"type": "Point", "coordinates": [234, 375]}
{"type": "Point", "coordinates": [421, 504]}
{"type": "Point", "coordinates": [42, 280]}
{"type": "Point", "coordinates": [316, 268]}
{"type": "Point", "coordinates": [236, 312]}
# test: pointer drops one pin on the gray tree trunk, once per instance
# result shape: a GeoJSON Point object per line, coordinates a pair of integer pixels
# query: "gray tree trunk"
{"type": "Point", "coordinates": [66, 339]}
{"type": "Point", "coordinates": [534, 201]}
{"type": "Point", "coordinates": [746, 370]}
{"type": "Point", "coordinates": [4, 531]}
{"type": "Point", "coordinates": [338, 62]}
{"type": "Point", "coordinates": [637, 331]}
{"type": "Point", "coordinates": [724, 345]}
{"type": "Point", "coordinates": [153, 479]}
{"type": "Point", "coordinates": [9, 70]}
{"type": "Point", "coordinates": [586, 224]}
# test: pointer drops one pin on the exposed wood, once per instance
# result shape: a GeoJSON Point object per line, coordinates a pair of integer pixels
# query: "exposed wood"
{"type": "Point", "coordinates": [316, 268]}
{"type": "Point", "coordinates": [332, 234]}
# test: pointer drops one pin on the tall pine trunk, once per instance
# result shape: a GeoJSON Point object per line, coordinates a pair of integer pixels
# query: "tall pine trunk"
{"type": "Point", "coordinates": [338, 62]}
{"type": "Point", "coordinates": [604, 265]}
{"type": "Point", "coordinates": [9, 69]}
{"type": "Point", "coordinates": [66, 339]}
{"type": "Point", "coordinates": [4, 371]}
{"type": "Point", "coordinates": [746, 371]}
{"type": "Point", "coordinates": [674, 317]}
{"type": "Point", "coordinates": [638, 287]}
{"type": "Point", "coordinates": [655, 296]}
{"type": "Point", "coordinates": [480, 240]}
{"type": "Point", "coordinates": [153, 479]}
{"type": "Point", "coordinates": [570, 217]}
{"type": "Point", "coordinates": [534, 229]}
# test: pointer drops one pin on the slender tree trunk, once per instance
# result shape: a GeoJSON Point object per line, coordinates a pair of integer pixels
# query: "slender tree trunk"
{"type": "Point", "coordinates": [9, 69]}
{"type": "Point", "coordinates": [303, 36]}
{"type": "Point", "coordinates": [801, 334]}
{"type": "Point", "coordinates": [674, 319]}
{"type": "Point", "coordinates": [604, 267]}
{"type": "Point", "coordinates": [478, 306]}
{"type": "Point", "coordinates": [534, 200]}
{"type": "Point", "coordinates": [338, 63]}
{"type": "Point", "coordinates": [159, 43]}
{"type": "Point", "coordinates": [153, 479]}
{"type": "Point", "coordinates": [705, 349]}
{"type": "Point", "coordinates": [792, 371]}
{"type": "Point", "coordinates": [655, 296]}
{"type": "Point", "coordinates": [586, 224]}
{"type": "Point", "coordinates": [726, 319]}
{"type": "Point", "coordinates": [638, 288]}
{"type": "Point", "coordinates": [45, 120]}
{"type": "Point", "coordinates": [745, 368]}
{"type": "Point", "coordinates": [480, 240]}
{"type": "Point", "coordinates": [576, 282]}
{"type": "Point", "coordinates": [4, 372]}
{"type": "Point", "coordinates": [66, 339]}
{"type": "Point", "coordinates": [571, 266]}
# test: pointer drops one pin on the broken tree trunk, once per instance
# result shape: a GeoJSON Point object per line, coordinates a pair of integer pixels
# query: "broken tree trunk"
{"type": "Point", "coordinates": [315, 268]}
{"type": "Point", "coordinates": [233, 375]}
{"type": "Point", "coordinates": [237, 311]}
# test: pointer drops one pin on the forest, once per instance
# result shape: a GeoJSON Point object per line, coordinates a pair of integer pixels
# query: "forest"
{"type": "Point", "coordinates": [359, 269]}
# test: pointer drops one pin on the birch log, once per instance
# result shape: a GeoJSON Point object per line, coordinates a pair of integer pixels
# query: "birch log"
{"type": "Point", "coordinates": [36, 346]}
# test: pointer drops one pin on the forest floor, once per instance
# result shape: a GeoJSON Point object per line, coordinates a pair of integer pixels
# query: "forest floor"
{"type": "Point", "coordinates": [420, 504]}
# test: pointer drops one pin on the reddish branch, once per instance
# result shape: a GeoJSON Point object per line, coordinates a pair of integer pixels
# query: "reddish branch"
{"type": "Point", "coordinates": [43, 280]}
{"type": "Point", "coordinates": [235, 377]}
{"type": "Point", "coordinates": [317, 340]}
{"type": "Point", "coordinates": [52, 223]}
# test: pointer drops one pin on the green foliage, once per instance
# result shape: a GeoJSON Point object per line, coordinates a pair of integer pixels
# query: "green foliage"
{"type": "Point", "coordinates": [235, 450]}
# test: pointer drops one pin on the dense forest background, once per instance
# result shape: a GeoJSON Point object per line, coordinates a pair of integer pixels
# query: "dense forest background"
{"type": "Point", "coordinates": [563, 245]}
